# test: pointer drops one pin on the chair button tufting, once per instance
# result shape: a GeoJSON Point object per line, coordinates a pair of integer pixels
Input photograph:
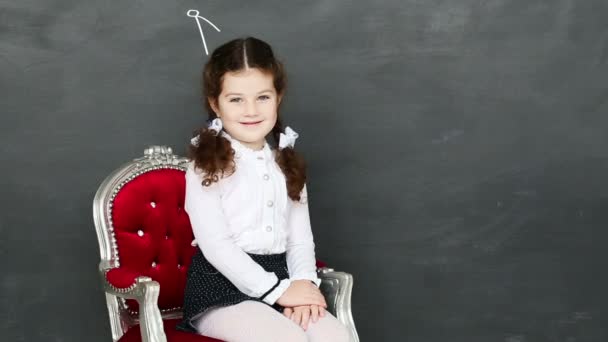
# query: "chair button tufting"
{"type": "Point", "coordinates": [166, 237]}
{"type": "Point", "coordinates": [153, 204]}
{"type": "Point", "coordinates": [268, 228]}
{"type": "Point", "coordinates": [153, 264]}
{"type": "Point", "coordinates": [179, 266]}
{"type": "Point", "coordinates": [140, 232]}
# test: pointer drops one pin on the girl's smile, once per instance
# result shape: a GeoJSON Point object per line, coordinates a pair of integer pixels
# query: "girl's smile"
{"type": "Point", "coordinates": [249, 124]}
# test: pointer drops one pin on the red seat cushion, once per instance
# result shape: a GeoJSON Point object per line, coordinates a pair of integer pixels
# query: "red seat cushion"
{"type": "Point", "coordinates": [133, 334]}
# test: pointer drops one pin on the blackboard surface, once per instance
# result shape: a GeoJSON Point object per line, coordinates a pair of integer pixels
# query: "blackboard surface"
{"type": "Point", "coordinates": [457, 151]}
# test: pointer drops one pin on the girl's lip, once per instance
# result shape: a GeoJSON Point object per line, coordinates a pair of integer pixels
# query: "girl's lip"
{"type": "Point", "coordinates": [251, 123]}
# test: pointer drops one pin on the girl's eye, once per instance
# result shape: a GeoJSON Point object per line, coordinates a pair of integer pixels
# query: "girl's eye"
{"type": "Point", "coordinates": [238, 99]}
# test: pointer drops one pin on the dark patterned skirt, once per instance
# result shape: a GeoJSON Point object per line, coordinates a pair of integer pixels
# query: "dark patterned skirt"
{"type": "Point", "coordinates": [206, 287]}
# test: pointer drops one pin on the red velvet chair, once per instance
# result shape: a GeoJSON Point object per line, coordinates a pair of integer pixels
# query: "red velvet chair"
{"type": "Point", "coordinates": [146, 244]}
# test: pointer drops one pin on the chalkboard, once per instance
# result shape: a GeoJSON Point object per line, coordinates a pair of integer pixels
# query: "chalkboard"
{"type": "Point", "coordinates": [457, 153]}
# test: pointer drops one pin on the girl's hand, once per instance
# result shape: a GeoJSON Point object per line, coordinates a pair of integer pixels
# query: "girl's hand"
{"type": "Point", "coordinates": [302, 292]}
{"type": "Point", "coordinates": [301, 315]}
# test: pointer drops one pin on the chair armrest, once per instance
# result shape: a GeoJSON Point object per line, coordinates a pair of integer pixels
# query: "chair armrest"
{"type": "Point", "coordinates": [145, 291]}
{"type": "Point", "coordinates": [337, 289]}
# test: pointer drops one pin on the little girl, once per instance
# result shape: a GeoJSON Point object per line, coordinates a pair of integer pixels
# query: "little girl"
{"type": "Point", "coordinates": [253, 277]}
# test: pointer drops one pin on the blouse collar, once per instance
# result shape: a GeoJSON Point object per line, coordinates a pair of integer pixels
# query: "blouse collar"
{"type": "Point", "coordinates": [242, 150]}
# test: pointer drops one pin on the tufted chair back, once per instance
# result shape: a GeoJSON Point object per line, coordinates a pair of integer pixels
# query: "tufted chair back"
{"type": "Point", "coordinates": [143, 229]}
{"type": "Point", "coordinates": [153, 234]}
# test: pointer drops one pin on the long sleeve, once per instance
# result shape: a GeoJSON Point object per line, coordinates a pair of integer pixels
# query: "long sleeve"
{"type": "Point", "coordinates": [301, 260]}
{"type": "Point", "coordinates": [210, 228]}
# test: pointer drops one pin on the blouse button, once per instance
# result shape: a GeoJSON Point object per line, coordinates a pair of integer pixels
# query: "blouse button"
{"type": "Point", "coordinates": [266, 176]}
{"type": "Point", "coordinates": [260, 157]}
{"type": "Point", "coordinates": [268, 228]}
{"type": "Point", "coordinates": [269, 203]}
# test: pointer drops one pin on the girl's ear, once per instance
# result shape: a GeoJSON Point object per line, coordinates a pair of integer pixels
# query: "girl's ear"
{"type": "Point", "coordinates": [213, 104]}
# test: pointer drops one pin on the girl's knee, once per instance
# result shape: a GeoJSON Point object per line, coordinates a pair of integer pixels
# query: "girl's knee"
{"type": "Point", "coordinates": [339, 334]}
{"type": "Point", "coordinates": [329, 329]}
{"type": "Point", "coordinates": [294, 333]}
{"type": "Point", "coordinates": [342, 335]}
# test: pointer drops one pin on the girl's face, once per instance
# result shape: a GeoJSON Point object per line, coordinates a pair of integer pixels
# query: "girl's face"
{"type": "Point", "coordinates": [247, 106]}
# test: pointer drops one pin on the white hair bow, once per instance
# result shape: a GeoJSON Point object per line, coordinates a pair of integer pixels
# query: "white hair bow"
{"type": "Point", "coordinates": [215, 124]}
{"type": "Point", "coordinates": [288, 138]}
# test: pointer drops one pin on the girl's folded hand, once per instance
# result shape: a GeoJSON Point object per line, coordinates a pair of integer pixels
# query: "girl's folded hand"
{"type": "Point", "coordinates": [301, 315]}
{"type": "Point", "coordinates": [302, 292]}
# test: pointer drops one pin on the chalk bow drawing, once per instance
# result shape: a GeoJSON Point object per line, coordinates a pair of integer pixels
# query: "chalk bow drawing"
{"type": "Point", "coordinates": [196, 15]}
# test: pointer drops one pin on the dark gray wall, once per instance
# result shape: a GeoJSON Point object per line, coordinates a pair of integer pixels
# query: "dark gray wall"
{"type": "Point", "coordinates": [457, 153]}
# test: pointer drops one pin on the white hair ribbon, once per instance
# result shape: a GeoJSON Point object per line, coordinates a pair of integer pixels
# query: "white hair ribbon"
{"type": "Point", "coordinates": [215, 124]}
{"type": "Point", "coordinates": [288, 138]}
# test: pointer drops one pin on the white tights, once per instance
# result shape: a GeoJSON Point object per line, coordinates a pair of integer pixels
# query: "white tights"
{"type": "Point", "coordinates": [253, 321]}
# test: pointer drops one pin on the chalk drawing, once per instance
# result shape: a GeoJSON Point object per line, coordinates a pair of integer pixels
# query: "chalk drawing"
{"type": "Point", "coordinates": [196, 15]}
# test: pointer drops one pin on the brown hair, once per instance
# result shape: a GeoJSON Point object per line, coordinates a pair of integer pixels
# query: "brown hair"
{"type": "Point", "coordinates": [214, 154]}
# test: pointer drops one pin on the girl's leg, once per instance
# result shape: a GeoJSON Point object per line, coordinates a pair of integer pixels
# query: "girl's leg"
{"type": "Point", "coordinates": [327, 328]}
{"type": "Point", "coordinates": [250, 321]}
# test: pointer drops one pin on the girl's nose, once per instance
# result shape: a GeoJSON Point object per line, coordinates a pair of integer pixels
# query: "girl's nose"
{"type": "Point", "coordinates": [251, 108]}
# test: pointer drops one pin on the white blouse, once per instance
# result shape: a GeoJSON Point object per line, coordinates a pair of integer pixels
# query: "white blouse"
{"type": "Point", "coordinates": [250, 212]}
